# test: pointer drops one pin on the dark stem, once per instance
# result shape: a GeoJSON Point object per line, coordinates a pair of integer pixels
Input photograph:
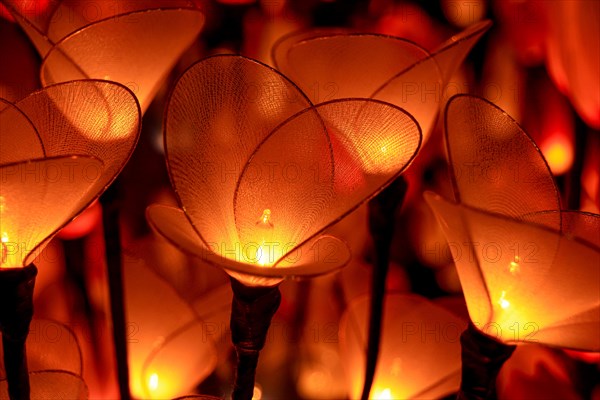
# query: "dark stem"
{"type": "Point", "coordinates": [573, 186]}
{"type": "Point", "coordinates": [482, 359]}
{"type": "Point", "coordinates": [251, 312]}
{"type": "Point", "coordinates": [112, 241]}
{"type": "Point", "coordinates": [16, 311]}
{"type": "Point", "coordinates": [381, 226]}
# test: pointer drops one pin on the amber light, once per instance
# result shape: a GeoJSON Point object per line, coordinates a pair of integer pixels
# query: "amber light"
{"type": "Point", "coordinates": [526, 266]}
{"type": "Point", "coordinates": [282, 193]}
{"type": "Point", "coordinates": [117, 42]}
{"type": "Point", "coordinates": [420, 349]}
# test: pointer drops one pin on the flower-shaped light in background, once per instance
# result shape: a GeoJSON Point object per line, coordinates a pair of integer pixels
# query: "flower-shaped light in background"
{"type": "Point", "coordinates": [529, 270]}
{"type": "Point", "coordinates": [166, 359]}
{"type": "Point", "coordinates": [55, 364]}
{"type": "Point", "coordinates": [135, 43]}
{"type": "Point", "coordinates": [60, 148]}
{"type": "Point", "coordinates": [420, 348]}
{"type": "Point", "coordinates": [334, 64]}
{"type": "Point", "coordinates": [260, 172]}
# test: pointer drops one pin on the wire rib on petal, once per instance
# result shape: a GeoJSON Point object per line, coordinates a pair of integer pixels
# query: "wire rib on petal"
{"type": "Point", "coordinates": [124, 49]}
{"type": "Point", "coordinates": [372, 143]}
{"type": "Point", "coordinates": [219, 112]}
{"type": "Point", "coordinates": [40, 196]}
{"type": "Point", "coordinates": [97, 118]}
{"type": "Point", "coordinates": [548, 292]}
{"type": "Point", "coordinates": [19, 139]}
{"type": "Point", "coordinates": [414, 362]}
{"type": "Point", "coordinates": [495, 165]}
{"type": "Point", "coordinates": [52, 385]}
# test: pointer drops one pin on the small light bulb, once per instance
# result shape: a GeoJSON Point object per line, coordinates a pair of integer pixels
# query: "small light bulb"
{"type": "Point", "coordinates": [153, 382]}
{"type": "Point", "coordinates": [265, 232]}
{"type": "Point", "coordinates": [503, 302]}
{"type": "Point", "coordinates": [385, 394]}
{"type": "Point", "coordinates": [265, 220]}
{"type": "Point", "coordinates": [3, 248]}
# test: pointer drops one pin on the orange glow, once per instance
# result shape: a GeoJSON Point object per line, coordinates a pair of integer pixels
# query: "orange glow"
{"type": "Point", "coordinates": [265, 229]}
{"type": "Point", "coordinates": [257, 393]}
{"type": "Point", "coordinates": [4, 253]}
{"type": "Point", "coordinates": [503, 302]}
{"type": "Point", "coordinates": [558, 151]}
{"type": "Point", "coordinates": [153, 382]}
{"type": "Point", "coordinates": [514, 266]}
{"type": "Point", "coordinates": [385, 394]}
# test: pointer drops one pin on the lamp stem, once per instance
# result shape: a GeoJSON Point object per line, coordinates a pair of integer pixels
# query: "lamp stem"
{"type": "Point", "coordinates": [381, 227]}
{"type": "Point", "coordinates": [112, 243]}
{"type": "Point", "coordinates": [16, 311]}
{"type": "Point", "coordinates": [482, 359]}
{"type": "Point", "coordinates": [251, 312]}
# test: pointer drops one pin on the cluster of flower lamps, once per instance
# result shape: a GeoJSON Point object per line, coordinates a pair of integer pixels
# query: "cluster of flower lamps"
{"type": "Point", "coordinates": [62, 147]}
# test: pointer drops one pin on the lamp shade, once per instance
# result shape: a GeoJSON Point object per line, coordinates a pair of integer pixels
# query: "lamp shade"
{"type": "Point", "coordinates": [260, 173]}
{"type": "Point", "coordinates": [61, 147]}
{"type": "Point", "coordinates": [117, 41]}
{"type": "Point", "coordinates": [166, 357]}
{"type": "Point", "coordinates": [420, 348]}
{"type": "Point", "coordinates": [332, 64]}
{"type": "Point", "coordinates": [529, 271]}
{"type": "Point", "coordinates": [54, 361]}
{"type": "Point", "coordinates": [525, 282]}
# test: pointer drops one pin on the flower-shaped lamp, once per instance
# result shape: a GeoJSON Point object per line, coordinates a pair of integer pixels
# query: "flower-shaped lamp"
{"type": "Point", "coordinates": [333, 64]}
{"type": "Point", "coordinates": [260, 172]}
{"type": "Point", "coordinates": [61, 147]}
{"type": "Point", "coordinates": [528, 269]}
{"type": "Point", "coordinates": [420, 348]}
{"type": "Point", "coordinates": [116, 41]}
{"type": "Point", "coordinates": [166, 358]}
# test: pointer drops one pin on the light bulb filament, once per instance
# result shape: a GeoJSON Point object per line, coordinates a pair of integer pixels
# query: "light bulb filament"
{"type": "Point", "coordinates": [265, 219]}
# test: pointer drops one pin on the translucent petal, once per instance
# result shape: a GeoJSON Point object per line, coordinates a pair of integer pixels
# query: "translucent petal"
{"type": "Point", "coordinates": [97, 118]}
{"type": "Point", "coordinates": [38, 198]}
{"type": "Point", "coordinates": [169, 352]}
{"type": "Point", "coordinates": [110, 40]}
{"type": "Point", "coordinates": [495, 164]}
{"type": "Point", "coordinates": [371, 143]}
{"type": "Point", "coordinates": [541, 285]}
{"type": "Point", "coordinates": [375, 66]}
{"type": "Point", "coordinates": [71, 15]}
{"type": "Point", "coordinates": [219, 112]}
{"type": "Point", "coordinates": [322, 255]}
{"type": "Point", "coordinates": [339, 66]}
{"type": "Point", "coordinates": [50, 346]}
{"type": "Point", "coordinates": [57, 385]}
{"type": "Point", "coordinates": [124, 49]}
{"type": "Point", "coordinates": [19, 140]}
{"type": "Point", "coordinates": [420, 348]}
{"type": "Point", "coordinates": [420, 88]}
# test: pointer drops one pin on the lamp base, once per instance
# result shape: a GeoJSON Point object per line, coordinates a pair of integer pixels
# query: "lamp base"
{"type": "Point", "coordinates": [16, 311]}
{"type": "Point", "coordinates": [251, 312]}
{"type": "Point", "coordinates": [482, 357]}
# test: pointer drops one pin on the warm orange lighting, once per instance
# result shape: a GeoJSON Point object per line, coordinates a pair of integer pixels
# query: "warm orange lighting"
{"type": "Point", "coordinates": [153, 382]}
{"type": "Point", "coordinates": [385, 394]}
{"type": "Point", "coordinates": [514, 267]}
{"type": "Point", "coordinates": [4, 252]}
{"type": "Point", "coordinates": [257, 393]}
{"type": "Point", "coordinates": [558, 151]}
{"type": "Point", "coordinates": [503, 302]}
{"type": "Point", "coordinates": [265, 230]}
